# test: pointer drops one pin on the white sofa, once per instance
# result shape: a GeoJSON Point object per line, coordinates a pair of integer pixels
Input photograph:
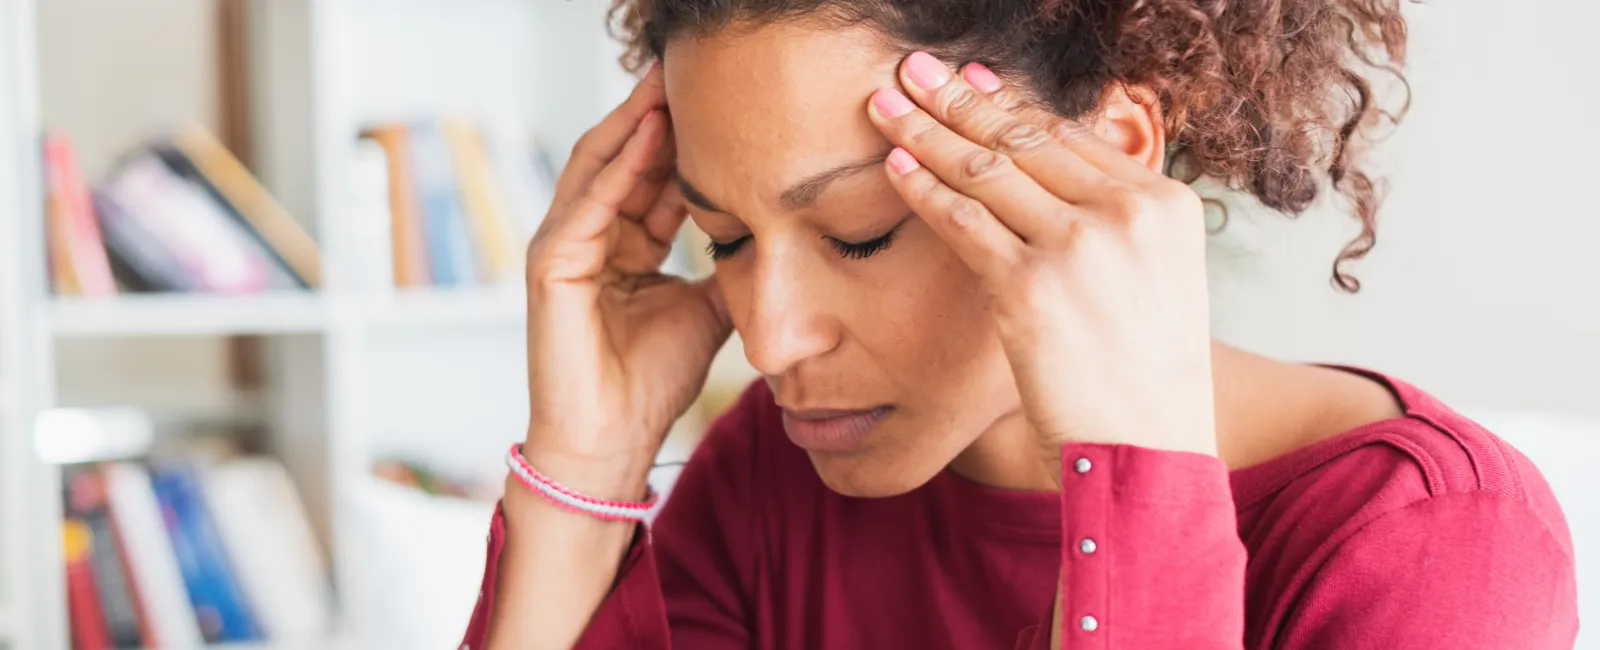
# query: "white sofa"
{"type": "Point", "coordinates": [1567, 450]}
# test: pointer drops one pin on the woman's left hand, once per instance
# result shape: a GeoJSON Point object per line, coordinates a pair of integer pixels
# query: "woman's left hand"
{"type": "Point", "coordinates": [1094, 263]}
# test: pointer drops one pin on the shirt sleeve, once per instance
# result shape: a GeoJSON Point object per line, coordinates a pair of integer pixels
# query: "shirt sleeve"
{"type": "Point", "coordinates": [1464, 570]}
{"type": "Point", "coordinates": [1151, 559]}
{"type": "Point", "coordinates": [691, 566]}
{"type": "Point", "coordinates": [1150, 553]}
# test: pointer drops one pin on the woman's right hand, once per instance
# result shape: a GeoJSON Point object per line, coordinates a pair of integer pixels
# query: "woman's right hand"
{"type": "Point", "coordinates": [617, 351]}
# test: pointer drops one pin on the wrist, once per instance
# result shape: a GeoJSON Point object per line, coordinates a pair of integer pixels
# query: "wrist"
{"type": "Point", "coordinates": [615, 477]}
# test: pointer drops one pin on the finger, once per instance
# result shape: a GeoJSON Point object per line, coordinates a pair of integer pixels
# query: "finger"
{"type": "Point", "coordinates": [602, 143]}
{"type": "Point", "coordinates": [987, 246]}
{"type": "Point", "coordinates": [666, 216]}
{"type": "Point", "coordinates": [646, 193]}
{"type": "Point", "coordinates": [954, 102]}
{"type": "Point", "coordinates": [1021, 203]}
{"type": "Point", "coordinates": [578, 246]}
{"type": "Point", "coordinates": [1070, 133]}
{"type": "Point", "coordinates": [635, 252]}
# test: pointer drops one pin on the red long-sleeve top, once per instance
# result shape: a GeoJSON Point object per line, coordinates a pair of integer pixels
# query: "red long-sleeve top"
{"type": "Point", "coordinates": [1418, 532]}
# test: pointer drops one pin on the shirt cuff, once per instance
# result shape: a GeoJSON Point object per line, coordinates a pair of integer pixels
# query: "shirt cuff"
{"type": "Point", "coordinates": [1142, 529]}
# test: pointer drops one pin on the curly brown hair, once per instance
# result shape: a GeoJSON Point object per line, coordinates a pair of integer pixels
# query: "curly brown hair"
{"type": "Point", "coordinates": [1269, 97]}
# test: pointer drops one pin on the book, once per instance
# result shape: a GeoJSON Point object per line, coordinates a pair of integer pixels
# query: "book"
{"type": "Point", "coordinates": [529, 185]}
{"type": "Point", "coordinates": [84, 500]}
{"type": "Point", "coordinates": [208, 577]}
{"type": "Point", "coordinates": [239, 189]}
{"type": "Point", "coordinates": [188, 224]}
{"type": "Point", "coordinates": [482, 199]}
{"type": "Point", "coordinates": [78, 261]}
{"type": "Point", "coordinates": [152, 566]}
{"type": "Point", "coordinates": [369, 196]}
{"type": "Point", "coordinates": [282, 275]}
{"type": "Point", "coordinates": [269, 538]}
{"type": "Point", "coordinates": [137, 256]}
{"type": "Point", "coordinates": [409, 240]}
{"type": "Point", "coordinates": [449, 242]}
{"type": "Point", "coordinates": [88, 623]}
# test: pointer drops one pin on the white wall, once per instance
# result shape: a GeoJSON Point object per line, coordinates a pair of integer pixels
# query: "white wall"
{"type": "Point", "coordinates": [1485, 286]}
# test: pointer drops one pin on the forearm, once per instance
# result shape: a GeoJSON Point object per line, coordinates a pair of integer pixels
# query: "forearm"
{"type": "Point", "coordinates": [558, 566]}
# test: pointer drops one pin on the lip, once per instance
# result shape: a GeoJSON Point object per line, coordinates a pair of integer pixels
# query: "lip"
{"type": "Point", "coordinates": [832, 430]}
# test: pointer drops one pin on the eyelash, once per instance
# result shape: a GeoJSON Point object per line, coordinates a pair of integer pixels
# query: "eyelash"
{"type": "Point", "coordinates": [851, 251]}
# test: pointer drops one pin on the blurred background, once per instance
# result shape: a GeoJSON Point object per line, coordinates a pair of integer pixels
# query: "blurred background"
{"type": "Point", "coordinates": [261, 315]}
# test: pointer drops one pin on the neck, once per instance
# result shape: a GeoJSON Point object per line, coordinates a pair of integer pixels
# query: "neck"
{"type": "Point", "coordinates": [1006, 455]}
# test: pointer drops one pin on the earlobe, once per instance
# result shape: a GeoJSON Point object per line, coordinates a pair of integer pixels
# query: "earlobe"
{"type": "Point", "coordinates": [1131, 120]}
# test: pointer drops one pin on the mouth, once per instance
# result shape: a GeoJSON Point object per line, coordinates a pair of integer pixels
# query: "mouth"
{"type": "Point", "coordinates": [832, 430]}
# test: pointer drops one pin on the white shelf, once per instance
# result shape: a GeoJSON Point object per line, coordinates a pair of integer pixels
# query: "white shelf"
{"type": "Point", "coordinates": [331, 643]}
{"type": "Point", "coordinates": [186, 315]}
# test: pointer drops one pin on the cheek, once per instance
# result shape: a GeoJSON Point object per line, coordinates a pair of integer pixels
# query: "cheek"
{"type": "Point", "coordinates": [926, 319]}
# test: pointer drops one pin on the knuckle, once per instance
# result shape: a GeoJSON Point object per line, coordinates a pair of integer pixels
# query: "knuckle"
{"type": "Point", "coordinates": [1067, 130]}
{"type": "Point", "coordinates": [966, 213]}
{"type": "Point", "coordinates": [983, 163]}
{"type": "Point", "coordinates": [925, 189]}
{"type": "Point", "coordinates": [1008, 100]}
{"type": "Point", "coordinates": [1127, 203]}
{"type": "Point", "coordinates": [921, 131]}
{"type": "Point", "coordinates": [958, 101]}
{"type": "Point", "coordinates": [1021, 136]}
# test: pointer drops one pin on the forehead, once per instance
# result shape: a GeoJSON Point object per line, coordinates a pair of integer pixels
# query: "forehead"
{"type": "Point", "coordinates": [754, 109]}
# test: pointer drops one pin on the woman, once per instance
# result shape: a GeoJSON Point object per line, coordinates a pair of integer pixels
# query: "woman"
{"type": "Point", "coordinates": [991, 414]}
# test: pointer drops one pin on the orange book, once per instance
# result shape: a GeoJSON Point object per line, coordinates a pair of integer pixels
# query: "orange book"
{"type": "Point", "coordinates": [78, 261]}
{"type": "Point", "coordinates": [262, 212]}
{"type": "Point", "coordinates": [482, 199]}
{"type": "Point", "coordinates": [411, 264]}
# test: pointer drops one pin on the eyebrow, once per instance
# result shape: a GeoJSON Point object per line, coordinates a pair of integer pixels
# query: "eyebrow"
{"type": "Point", "coordinates": [800, 195]}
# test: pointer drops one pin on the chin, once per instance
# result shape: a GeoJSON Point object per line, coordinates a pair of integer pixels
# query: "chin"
{"type": "Point", "coordinates": [868, 475]}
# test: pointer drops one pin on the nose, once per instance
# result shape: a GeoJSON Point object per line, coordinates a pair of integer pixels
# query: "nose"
{"type": "Point", "coordinates": [787, 319]}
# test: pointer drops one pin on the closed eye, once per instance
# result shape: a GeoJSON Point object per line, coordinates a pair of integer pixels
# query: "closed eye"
{"type": "Point", "coordinates": [862, 250]}
{"type": "Point", "coordinates": [720, 251]}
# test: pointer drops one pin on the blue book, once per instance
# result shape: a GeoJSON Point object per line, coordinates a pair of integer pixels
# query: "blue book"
{"type": "Point", "coordinates": [444, 218]}
{"type": "Point", "coordinates": [218, 602]}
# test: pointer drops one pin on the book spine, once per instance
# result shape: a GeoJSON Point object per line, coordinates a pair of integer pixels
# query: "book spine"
{"type": "Point", "coordinates": [58, 227]}
{"type": "Point", "coordinates": [374, 221]}
{"type": "Point", "coordinates": [143, 262]}
{"type": "Point", "coordinates": [482, 199]}
{"type": "Point", "coordinates": [83, 602]}
{"type": "Point", "coordinates": [84, 499]}
{"type": "Point", "coordinates": [449, 243]}
{"type": "Point", "coordinates": [215, 594]}
{"type": "Point", "coordinates": [152, 566]}
{"type": "Point", "coordinates": [281, 233]}
{"type": "Point", "coordinates": [283, 274]}
{"type": "Point", "coordinates": [408, 243]}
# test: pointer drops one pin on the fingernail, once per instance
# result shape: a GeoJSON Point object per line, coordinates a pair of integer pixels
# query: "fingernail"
{"type": "Point", "coordinates": [981, 77]}
{"type": "Point", "coordinates": [891, 103]}
{"type": "Point", "coordinates": [925, 71]}
{"type": "Point", "coordinates": [902, 161]}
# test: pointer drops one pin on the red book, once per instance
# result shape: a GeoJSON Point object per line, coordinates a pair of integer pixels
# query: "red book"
{"type": "Point", "coordinates": [83, 601]}
{"type": "Point", "coordinates": [72, 217]}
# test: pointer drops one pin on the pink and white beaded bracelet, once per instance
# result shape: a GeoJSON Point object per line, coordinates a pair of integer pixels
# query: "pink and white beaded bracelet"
{"type": "Point", "coordinates": [565, 497]}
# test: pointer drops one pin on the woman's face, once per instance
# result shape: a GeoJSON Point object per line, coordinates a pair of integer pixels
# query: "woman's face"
{"type": "Point", "coordinates": [873, 336]}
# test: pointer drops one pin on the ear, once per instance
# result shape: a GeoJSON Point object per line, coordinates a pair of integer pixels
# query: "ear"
{"type": "Point", "coordinates": [1130, 119]}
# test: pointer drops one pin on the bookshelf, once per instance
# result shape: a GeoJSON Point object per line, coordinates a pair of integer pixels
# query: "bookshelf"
{"type": "Point", "coordinates": [351, 373]}
{"type": "Point", "coordinates": [186, 315]}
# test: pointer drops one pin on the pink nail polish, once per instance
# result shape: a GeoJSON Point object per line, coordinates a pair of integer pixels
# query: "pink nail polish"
{"type": "Point", "coordinates": [902, 161]}
{"type": "Point", "coordinates": [925, 71]}
{"type": "Point", "coordinates": [891, 103]}
{"type": "Point", "coordinates": [981, 77]}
